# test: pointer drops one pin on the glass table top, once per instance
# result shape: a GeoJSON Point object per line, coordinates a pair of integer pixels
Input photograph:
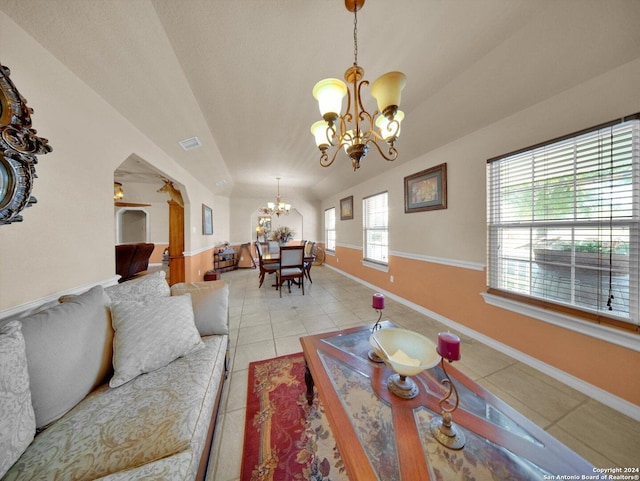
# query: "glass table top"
{"type": "Point", "coordinates": [498, 439]}
{"type": "Point", "coordinates": [358, 345]}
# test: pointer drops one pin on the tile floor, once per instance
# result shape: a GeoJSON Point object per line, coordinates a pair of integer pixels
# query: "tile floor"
{"type": "Point", "coordinates": [265, 326]}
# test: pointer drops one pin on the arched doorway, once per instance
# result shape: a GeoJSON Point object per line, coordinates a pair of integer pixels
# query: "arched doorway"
{"type": "Point", "coordinates": [145, 215]}
{"type": "Point", "coordinates": [132, 226]}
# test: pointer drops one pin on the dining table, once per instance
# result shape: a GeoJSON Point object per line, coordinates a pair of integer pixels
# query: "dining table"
{"type": "Point", "coordinates": [274, 258]}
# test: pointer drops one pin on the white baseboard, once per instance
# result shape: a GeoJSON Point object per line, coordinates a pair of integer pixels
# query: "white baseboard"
{"type": "Point", "coordinates": [625, 407]}
{"type": "Point", "coordinates": [30, 307]}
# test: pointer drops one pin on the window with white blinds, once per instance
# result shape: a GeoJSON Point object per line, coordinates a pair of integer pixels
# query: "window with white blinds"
{"type": "Point", "coordinates": [375, 216]}
{"type": "Point", "coordinates": [563, 222]}
{"type": "Point", "coordinates": [330, 229]}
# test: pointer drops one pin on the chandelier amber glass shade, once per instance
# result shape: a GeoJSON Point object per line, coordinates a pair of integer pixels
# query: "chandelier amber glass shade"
{"type": "Point", "coordinates": [329, 94]}
{"type": "Point", "coordinates": [319, 131]}
{"type": "Point", "coordinates": [387, 90]}
{"type": "Point", "coordinates": [390, 129]}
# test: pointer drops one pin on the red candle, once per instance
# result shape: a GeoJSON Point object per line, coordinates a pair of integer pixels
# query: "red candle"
{"type": "Point", "coordinates": [449, 346]}
{"type": "Point", "coordinates": [378, 301]}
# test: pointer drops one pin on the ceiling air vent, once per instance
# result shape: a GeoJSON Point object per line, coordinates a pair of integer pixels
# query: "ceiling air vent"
{"type": "Point", "coordinates": [190, 144]}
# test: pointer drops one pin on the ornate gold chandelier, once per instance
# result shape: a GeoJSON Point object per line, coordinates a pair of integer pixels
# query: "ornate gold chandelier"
{"type": "Point", "coordinates": [277, 208]}
{"type": "Point", "coordinates": [356, 129]}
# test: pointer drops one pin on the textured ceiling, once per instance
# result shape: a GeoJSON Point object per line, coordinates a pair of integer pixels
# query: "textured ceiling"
{"type": "Point", "coordinates": [238, 74]}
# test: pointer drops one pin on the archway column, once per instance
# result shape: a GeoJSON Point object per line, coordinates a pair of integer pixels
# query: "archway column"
{"type": "Point", "coordinates": [176, 243]}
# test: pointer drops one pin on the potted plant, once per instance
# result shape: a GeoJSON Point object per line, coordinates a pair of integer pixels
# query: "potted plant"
{"type": "Point", "coordinates": [587, 253]}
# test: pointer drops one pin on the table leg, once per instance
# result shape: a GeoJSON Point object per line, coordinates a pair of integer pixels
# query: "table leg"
{"type": "Point", "coordinates": [308, 379]}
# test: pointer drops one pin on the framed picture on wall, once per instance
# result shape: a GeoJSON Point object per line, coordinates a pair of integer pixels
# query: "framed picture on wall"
{"type": "Point", "coordinates": [346, 208]}
{"type": "Point", "coordinates": [207, 220]}
{"type": "Point", "coordinates": [426, 190]}
{"type": "Point", "coordinates": [264, 222]}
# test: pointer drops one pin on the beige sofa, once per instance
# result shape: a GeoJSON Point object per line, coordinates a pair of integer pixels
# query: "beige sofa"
{"type": "Point", "coordinates": [120, 383]}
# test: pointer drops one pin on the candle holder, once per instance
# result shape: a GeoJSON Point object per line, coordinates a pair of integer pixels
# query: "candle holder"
{"type": "Point", "coordinates": [378, 305]}
{"type": "Point", "coordinates": [372, 354]}
{"type": "Point", "coordinates": [442, 427]}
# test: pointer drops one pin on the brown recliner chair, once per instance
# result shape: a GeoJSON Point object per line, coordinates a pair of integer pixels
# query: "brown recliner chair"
{"type": "Point", "coordinates": [124, 256]}
{"type": "Point", "coordinates": [140, 261]}
{"type": "Point", "coordinates": [132, 259]}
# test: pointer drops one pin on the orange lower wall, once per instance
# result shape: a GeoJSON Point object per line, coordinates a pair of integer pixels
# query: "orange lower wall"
{"type": "Point", "coordinates": [454, 293]}
{"type": "Point", "coordinates": [156, 255]}
{"type": "Point", "coordinates": [196, 265]}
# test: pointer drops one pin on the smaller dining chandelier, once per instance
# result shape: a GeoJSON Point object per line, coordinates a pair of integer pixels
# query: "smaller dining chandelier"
{"type": "Point", "coordinates": [118, 193]}
{"type": "Point", "coordinates": [278, 207]}
{"type": "Point", "coordinates": [355, 130]}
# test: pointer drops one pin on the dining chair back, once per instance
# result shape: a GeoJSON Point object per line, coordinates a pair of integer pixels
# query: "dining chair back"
{"type": "Point", "coordinates": [308, 253]}
{"type": "Point", "coordinates": [273, 247]}
{"type": "Point", "coordinates": [264, 268]}
{"type": "Point", "coordinates": [291, 267]}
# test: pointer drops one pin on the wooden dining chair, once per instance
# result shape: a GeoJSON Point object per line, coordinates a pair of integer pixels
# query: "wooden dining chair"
{"type": "Point", "coordinates": [264, 268]}
{"type": "Point", "coordinates": [291, 267]}
{"type": "Point", "coordinates": [308, 252]}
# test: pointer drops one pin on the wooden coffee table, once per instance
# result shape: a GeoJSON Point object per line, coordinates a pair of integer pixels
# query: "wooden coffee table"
{"type": "Point", "coordinates": [381, 436]}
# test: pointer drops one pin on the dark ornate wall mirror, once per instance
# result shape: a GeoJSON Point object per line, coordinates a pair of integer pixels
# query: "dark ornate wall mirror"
{"type": "Point", "coordinates": [19, 146]}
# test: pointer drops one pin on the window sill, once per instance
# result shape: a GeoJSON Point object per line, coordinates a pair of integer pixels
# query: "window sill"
{"type": "Point", "coordinates": [375, 265]}
{"type": "Point", "coordinates": [620, 338]}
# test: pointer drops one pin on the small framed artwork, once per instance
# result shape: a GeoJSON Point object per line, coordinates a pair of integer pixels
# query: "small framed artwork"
{"type": "Point", "coordinates": [346, 208]}
{"type": "Point", "coordinates": [426, 190]}
{"type": "Point", "coordinates": [207, 220]}
{"type": "Point", "coordinates": [264, 222]}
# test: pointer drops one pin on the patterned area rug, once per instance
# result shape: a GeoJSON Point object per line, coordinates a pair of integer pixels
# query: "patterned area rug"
{"type": "Point", "coordinates": [284, 437]}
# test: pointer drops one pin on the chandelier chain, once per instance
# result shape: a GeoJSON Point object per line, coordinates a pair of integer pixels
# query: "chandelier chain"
{"type": "Point", "coordinates": [355, 34]}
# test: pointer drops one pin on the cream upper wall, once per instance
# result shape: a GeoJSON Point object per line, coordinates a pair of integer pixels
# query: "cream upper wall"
{"type": "Point", "coordinates": [194, 239]}
{"type": "Point", "coordinates": [459, 232]}
{"type": "Point", "coordinates": [67, 238]}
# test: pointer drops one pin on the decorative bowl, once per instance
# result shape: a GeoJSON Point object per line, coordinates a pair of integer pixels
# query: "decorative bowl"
{"type": "Point", "coordinates": [407, 353]}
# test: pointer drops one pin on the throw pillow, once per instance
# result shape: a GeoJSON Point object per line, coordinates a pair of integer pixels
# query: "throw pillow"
{"type": "Point", "coordinates": [210, 305]}
{"type": "Point", "coordinates": [17, 420]}
{"type": "Point", "coordinates": [149, 334]}
{"type": "Point", "coordinates": [67, 345]}
{"type": "Point", "coordinates": [149, 286]}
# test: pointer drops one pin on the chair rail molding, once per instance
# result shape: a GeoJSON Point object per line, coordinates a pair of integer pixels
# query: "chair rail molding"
{"type": "Point", "coordinates": [476, 266]}
{"type": "Point", "coordinates": [195, 252]}
{"type": "Point", "coordinates": [349, 246]}
{"type": "Point", "coordinates": [30, 307]}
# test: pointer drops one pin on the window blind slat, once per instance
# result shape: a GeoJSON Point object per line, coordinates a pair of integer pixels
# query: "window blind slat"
{"type": "Point", "coordinates": [563, 221]}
